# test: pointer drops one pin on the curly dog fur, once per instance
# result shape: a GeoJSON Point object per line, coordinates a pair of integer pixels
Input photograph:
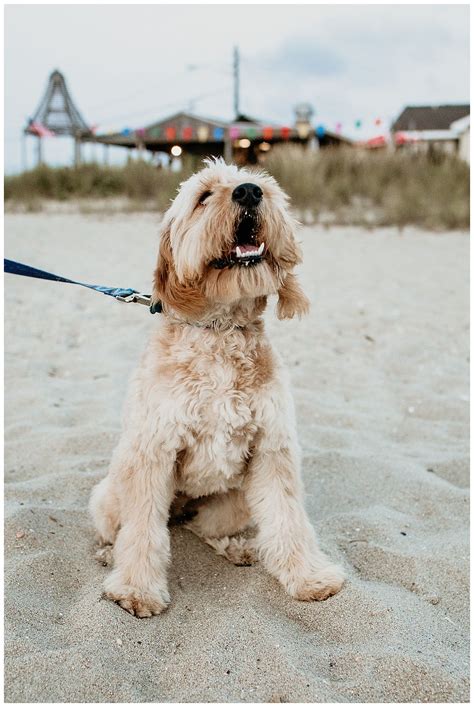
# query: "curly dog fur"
{"type": "Point", "coordinates": [210, 433]}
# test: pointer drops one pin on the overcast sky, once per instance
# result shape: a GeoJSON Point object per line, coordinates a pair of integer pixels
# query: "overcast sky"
{"type": "Point", "coordinates": [129, 65]}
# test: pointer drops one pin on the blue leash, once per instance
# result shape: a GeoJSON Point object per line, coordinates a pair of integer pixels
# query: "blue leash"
{"type": "Point", "coordinates": [119, 293]}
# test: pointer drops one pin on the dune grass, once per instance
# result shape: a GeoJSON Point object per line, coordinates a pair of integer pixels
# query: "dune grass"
{"type": "Point", "coordinates": [137, 181]}
{"type": "Point", "coordinates": [348, 186]}
{"type": "Point", "coordinates": [340, 186]}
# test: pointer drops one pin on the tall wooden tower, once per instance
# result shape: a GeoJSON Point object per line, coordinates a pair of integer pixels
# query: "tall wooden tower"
{"type": "Point", "coordinates": [57, 115]}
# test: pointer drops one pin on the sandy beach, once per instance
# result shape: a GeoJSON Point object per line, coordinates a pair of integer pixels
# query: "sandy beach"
{"type": "Point", "coordinates": [380, 377]}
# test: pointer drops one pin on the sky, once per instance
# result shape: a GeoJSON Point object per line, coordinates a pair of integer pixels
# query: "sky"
{"type": "Point", "coordinates": [130, 65]}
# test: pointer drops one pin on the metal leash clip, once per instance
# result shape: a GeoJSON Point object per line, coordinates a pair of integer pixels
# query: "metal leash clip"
{"type": "Point", "coordinates": [136, 297]}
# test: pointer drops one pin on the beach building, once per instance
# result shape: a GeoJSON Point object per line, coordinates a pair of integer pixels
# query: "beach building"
{"type": "Point", "coordinates": [245, 140]}
{"type": "Point", "coordinates": [463, 129]}
{"type": "Point", "coordinates": [433, 128]}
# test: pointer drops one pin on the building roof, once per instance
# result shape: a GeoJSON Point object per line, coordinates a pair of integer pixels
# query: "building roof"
{"type": "Point", "coordinates": [192, 128]}
{"type": "Point", "coordinates": [430, 117]}
{"type": "Point", "coordinates": [57, 114]}
{"type": "Point", "coordinates": [183, 118]}
{"type": "Point", "coordinates": [157, 130]}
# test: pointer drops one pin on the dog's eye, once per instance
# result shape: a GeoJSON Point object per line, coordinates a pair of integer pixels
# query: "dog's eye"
{"type": "Point", "coordinates": [204, 196]}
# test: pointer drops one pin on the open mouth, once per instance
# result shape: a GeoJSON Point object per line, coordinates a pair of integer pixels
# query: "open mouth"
{"type": "Point", "coordinates": [246, 251]}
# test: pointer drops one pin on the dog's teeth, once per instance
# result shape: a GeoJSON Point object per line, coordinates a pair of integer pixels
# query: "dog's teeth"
{"type": "Point", "coordinates": [260, 250]}
{"type": "Point", "coordinates": [239, 252]}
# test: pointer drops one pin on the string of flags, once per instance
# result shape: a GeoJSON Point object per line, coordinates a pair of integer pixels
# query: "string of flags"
{"type": "Point", "coordinates": [206, 133]}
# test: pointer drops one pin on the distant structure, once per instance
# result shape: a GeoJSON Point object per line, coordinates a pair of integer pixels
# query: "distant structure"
{"type": "Point", "coordinates": [428, 128]}
{"type": "Point", "coordinates": [304, 112]}
{"type": "Point", "coordinates": [58, 115]}
{"type": "Point", "coordinates": [463, 129]}
{"type": "Point", "coordinates": [244, 140]}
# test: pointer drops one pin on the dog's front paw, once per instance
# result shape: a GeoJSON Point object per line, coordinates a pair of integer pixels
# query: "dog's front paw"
{"type": "Point", "coordinates": [138, 602]}
{"type": "Point", "coordinates": [320, 585]}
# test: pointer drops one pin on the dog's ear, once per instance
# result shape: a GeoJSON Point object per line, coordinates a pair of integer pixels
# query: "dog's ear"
{"type": "Point", "coordinates": [185, 298]}
{"type": "Point", "coordinates": [291, 299]}
{"type": "Point", "coordinates": [160, 277]}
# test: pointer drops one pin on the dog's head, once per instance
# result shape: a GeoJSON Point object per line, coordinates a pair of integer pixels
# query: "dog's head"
{"type": "Point", "coordinates": [228, 236]}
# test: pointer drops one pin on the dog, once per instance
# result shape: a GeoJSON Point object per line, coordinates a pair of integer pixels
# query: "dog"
{"type": "Point", "coordinates": [209, 432]}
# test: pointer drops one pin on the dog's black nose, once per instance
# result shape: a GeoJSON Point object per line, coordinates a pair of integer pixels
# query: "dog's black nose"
{"type": "Point", "coordinates": [247, 194]}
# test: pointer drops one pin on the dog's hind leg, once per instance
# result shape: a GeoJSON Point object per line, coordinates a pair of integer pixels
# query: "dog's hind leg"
{"type": "Point", "coordinates": [240, 551]}
{"type": "Point", "coordinates": [182, 510]}
{"type": "Point", "coordinates": [219, 517]}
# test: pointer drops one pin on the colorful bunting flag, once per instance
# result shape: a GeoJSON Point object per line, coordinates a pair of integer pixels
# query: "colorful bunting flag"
{"type": "Point", "coordinates": [40, 130]}
{"type": "Point", "coordinates": [187, 132]}
{"type": "Point", "coordinates": [303, 130]}
{"type": "Point", "coordinates": [218, 133]}
{"type": "Point", "coordinates": [267, 133]}
{"type": "Point", "coordinates": [378, 141]}
{"type": "Point", "coordinates": [202, 133]}
{"type": "Point", "coordinates": [234, 132]}
{"type": "Point", "coordinates": [285, 133]}
{"type": "Point", "coordinates": [320, 130]}
{"type": "Point", "coordinates": [251, 133]}
{"type": "Point", "coordinates": [170, 133]}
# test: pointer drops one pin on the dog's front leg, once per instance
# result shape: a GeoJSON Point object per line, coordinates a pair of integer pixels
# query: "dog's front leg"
{"type": "Point", "coordinates": [138, 581]}
{"type": "Point", "coordinates": [286, 541]}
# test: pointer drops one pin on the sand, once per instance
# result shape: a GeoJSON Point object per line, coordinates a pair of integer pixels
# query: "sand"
{"type": "Point", "coordinates": [380, 377]}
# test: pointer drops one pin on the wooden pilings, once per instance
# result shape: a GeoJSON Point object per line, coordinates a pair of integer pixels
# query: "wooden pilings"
{"type": "Point", "coordinates": [39, 151]}
{"type": "Point", "coordinates": [77, 151]}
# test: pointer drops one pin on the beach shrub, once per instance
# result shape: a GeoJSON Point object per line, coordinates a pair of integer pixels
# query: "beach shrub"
{"type": "Point", "coordinates": [137, 180]}
{"type": "Point", "coordinates": [331, 186]}
{"type": "Point", "coordinates": [354, 186]}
